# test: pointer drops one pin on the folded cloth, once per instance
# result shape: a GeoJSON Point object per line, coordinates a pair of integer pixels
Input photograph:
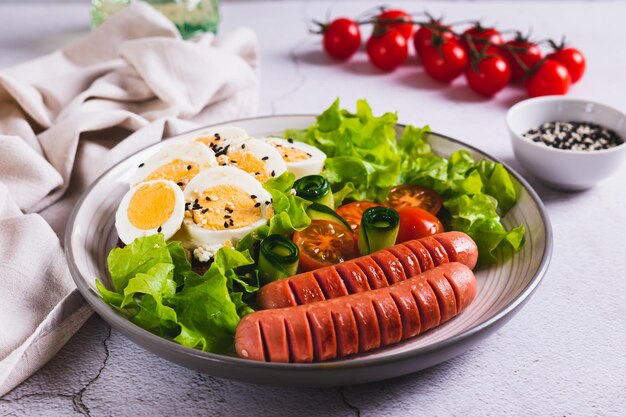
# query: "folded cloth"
{"type": "Point", "coordinates": [66, 117]}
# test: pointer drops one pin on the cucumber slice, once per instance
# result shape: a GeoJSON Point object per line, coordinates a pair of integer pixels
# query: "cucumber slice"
{"type": "Point", "coordinates": [317, 211]}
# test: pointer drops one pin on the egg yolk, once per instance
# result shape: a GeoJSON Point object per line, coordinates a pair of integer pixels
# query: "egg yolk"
{"type": "Point", "coordinates": [225, 206]}
{"type": "Point", "coordinates": [290, 153]}
{"type": "Point", "coordinates": [181, 172]}
{"type": "Point", "coordinates": [250, 163]}
{"type": "Point", "coordinates": [210, 141]}
{"type": "Point", "coordinates": [151, 206]}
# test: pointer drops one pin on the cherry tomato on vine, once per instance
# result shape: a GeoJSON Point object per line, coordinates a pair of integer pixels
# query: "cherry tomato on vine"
{"type": "Point", "coordinates": [573, 60]}
{"type": "Point", "coordinates": [405, 29]}
{"type": "Point", "coordinates": [444, 62]}
{"type": "Point", "coordinates": [482, 37]}
{"type": "Point", "coordinates": [342, 38]}
{"type": "Point", "coordinates": [416, 223]}
{"type": "Point", "coordinates": [551, 78]}
{"type": "Point", "coordinates": [407, 195]}
{"type": "Point", "coordinates": [388, 50]}
{"type": "Point", "coordinates": [527, 52]}
{"type": "Point", "coordinates": [425, 35]}
{"type": "Point", "coordinates": [490, 75]}
{"type": "Point", "coordinates": [324, 243]}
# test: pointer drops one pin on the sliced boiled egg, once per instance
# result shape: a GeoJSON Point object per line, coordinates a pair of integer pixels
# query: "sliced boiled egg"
{"type": "Point", "coordinates": [301, 159]}
{"type": "Point", "coordinates": [254, 156]}
{"type": "Point", "coordinates": [223, 204]}
{"type": "Point", "coordinates": [221, 136]}
{"type": "Point", "coordinates": [149, 208]}
{"type": "Point", "coordinates": [177, 162]}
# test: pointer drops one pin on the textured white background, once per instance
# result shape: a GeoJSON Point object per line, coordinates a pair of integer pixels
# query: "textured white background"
{"type": "Point", "coordinates": [562, 355]}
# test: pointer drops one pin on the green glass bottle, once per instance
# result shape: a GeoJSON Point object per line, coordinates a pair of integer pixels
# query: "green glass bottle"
{"type": "Point", "coordinates": [190, 16]}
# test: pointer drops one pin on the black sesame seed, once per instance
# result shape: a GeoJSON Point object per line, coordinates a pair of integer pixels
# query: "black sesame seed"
{"type": "Point", "coordinates": [216, 135]}
{"type": "Point", "coordinates": [188, 167]}
{"type": "Point", "coordinates": [159, 229]}
{"type": "Point", "coordinates": [243, 146]}
{"type": "Point", "coordinates": [257, 173]}
{"type": "Point", "coordinates": [226, 225]}
{"type": "Point", "coordinates": [195, 201]}
{"type": "Point", "coordinates": [228, 209]}
{"type": "Point", "coordinates": [231, 222]}
{"type": "Point", "coordinates": [574, 136]}
{"type": "Point", "coordinates": [227, 216]}
{"type": "Point", "coordinates": [232, 161]}
{"type": "Point", "coordinates": [180, 184]}
{"type": "Point", "coordinates": [286, 156]}
{"type": "Point", "coordinates": [205, 210]}
{"type": "Point", "coordinates": [309, 154]}
{"type": "Point", "coordinates": [142, 164]}
{"type": "Point", "coordinates": [265, 158]}
{"type": "Point", "coordinates": [290, 140]}
{"type": "Point", "coordinates": [267, 203]}
{"type": "Point", "coordinates": [207, 198]}
{"type": "Point", "coordinates": [257, 205]}
{"type": "Point", "coordinates": [273, 174]}
{"type": "Point", "coordinates": [252, 196]}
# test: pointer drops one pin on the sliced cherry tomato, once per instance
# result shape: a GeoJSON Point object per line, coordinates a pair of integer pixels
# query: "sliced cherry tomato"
{"type": "Point", "coordinates": [406, 29]}
{"type": "Point", "coordinates": [352, 212]}
{"type": "Point", "coordinates": [444, 62]}
{"type": "Point", "coordinates": [387, 51]}
{"type": "Point", "coordinates": [342, 38]}
{"type": "Point", "coordinates": [551, 78]}
{"type": "Point", "coordinates": [490, 75]}
{"type": "Point", "coordinates": [573, 60]}
{"type": "Point", "coordinates": [483, 37]}
{"type": "Point", "coordinates": [404, 196]}
{"type": "Point", "coordinates": [429, 32]}
{"type": "Point", "coordinates": [416, 223]}
{"type": "Point", "coordinates": [522, 50]}
{"type": "Point", "coordinates": [324, 243]}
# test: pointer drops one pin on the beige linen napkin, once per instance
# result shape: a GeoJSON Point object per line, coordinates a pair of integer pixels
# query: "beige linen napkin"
{"type": "Point", "coordinates": [66, 117]}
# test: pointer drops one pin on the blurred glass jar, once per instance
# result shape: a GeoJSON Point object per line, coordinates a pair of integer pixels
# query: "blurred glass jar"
{"type": "Point", "coordinates": [190, 16]}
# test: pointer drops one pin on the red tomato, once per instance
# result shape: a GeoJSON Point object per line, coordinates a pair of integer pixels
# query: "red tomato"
{"type": "Point", "coordinates": [551, 78]}
{"type": "Point", "coordinates": [416, 223]}
{"type": "Point", "coordinates": [405, 29]}
{"type": "Point", "coordinates": [527, 52]}
{"type": "Point", "coordinates": [573, 60]}
{"type": "Point", "coordinates": [482, 37]}
{"type": "Point", "coordinates": [324, 243]}
{"type": "Point", "coordinates": [387, 51]}
{"type": "Point", "coordinates": [491, 75]}
{"type": "Point", "coordinates": [425, 35]}
{"type": "Point", "coordinates": [353, 212]}
{"type": "Point", "coordinates": [403, 196]}
{"type": "Point", "coordinates": [342, 38]}
{"type": "Point", "coordinates": [445, 62]}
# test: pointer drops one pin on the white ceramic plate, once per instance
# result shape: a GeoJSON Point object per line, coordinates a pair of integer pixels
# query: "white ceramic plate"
{"type": "Point", "coordinates": [502, 289]}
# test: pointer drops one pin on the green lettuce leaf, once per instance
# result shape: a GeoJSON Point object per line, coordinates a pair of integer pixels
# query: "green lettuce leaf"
{"type": "Point", "coordinates": [156, 289]}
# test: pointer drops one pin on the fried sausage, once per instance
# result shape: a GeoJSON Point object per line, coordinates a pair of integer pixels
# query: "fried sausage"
{"type": "Point", "coordinates": [378, 270]}
{"type": "Point", "coordinates": [358, 322]}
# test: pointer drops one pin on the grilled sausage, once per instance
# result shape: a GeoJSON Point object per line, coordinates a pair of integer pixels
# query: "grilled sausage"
{"type": "Point", "coordinates": [358, 322]}
{"type": "Point", "coordinates": [378, 270]}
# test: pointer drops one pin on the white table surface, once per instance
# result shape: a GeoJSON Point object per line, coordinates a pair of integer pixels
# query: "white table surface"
{"type": "Point", "coordinates": [563, 355]}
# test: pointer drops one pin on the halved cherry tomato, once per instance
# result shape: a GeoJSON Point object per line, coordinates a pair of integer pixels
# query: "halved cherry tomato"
{"type": "Point", "coordinates": [324, 243]}
{"type": "Point", "coordinates": [404, 196]}
{"type": "Point", "coordinates": [416, 223]}
{"type": "Point", "coordinates": [352, 212]}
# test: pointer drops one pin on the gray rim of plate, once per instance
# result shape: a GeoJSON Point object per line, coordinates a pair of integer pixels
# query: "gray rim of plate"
{"type": "Point", "coordinates": [110, 315]}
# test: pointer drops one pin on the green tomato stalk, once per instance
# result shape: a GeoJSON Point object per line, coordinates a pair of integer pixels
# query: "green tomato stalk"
{"type": "Point", "coordinates": [379, 229]}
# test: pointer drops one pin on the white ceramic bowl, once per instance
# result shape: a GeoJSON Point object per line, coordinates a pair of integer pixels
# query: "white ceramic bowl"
{"type": "Point", "coordinates": [565, 169]}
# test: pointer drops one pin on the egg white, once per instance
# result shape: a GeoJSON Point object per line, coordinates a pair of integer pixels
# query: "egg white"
{"type": "Point", "coordinates": [194, 235]}
{"type": "Point", "coordinates": [274, 163]}
{"type": "Point", "coordinates": [127, 232]}
{"type": "Point", "coordinates": [312, 166]}
{"type": "Point", "coordinates": [185, 151]}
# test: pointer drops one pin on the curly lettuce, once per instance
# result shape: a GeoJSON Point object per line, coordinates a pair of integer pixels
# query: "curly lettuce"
{"type": "Point", "coordinates": [155, 288]}
{"type": "Point", "coordinates": [365, 159]}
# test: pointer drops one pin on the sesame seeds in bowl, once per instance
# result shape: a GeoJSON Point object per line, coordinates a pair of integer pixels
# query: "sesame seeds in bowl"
{"type": "Point", "coordinates": [567, 143]}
